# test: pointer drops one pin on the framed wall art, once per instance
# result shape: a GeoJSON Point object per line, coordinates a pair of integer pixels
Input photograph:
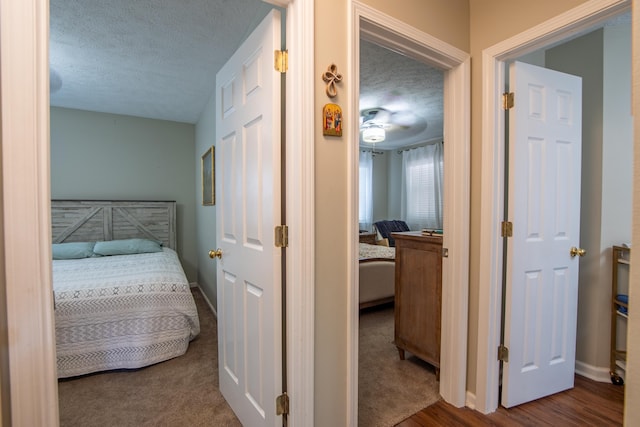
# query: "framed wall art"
{"type": "Point", "coordinates": [209, 177]}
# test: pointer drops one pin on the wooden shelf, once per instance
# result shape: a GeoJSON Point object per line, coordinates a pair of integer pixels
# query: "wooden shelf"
{"type": "Point", "coordinates": [620, 256]}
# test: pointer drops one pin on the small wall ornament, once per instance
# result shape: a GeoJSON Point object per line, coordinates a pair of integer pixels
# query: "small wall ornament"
{"type": "Point", "coordinates": [331, 77]}
{"type": "Point", "coordinates": [332, 120]}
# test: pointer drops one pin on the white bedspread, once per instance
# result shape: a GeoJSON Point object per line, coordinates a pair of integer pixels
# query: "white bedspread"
{"type": "Point", "coordinates": [376, 251]}
{"type": "Point", "coordinates": [124, 311]}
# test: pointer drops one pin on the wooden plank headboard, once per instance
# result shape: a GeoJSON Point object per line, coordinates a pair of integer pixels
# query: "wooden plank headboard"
{"type": "Point", "coordinates": [96, 220]}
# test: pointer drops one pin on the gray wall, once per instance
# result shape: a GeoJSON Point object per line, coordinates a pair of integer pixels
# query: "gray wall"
{"type": "Point", "coordinates": [617, 155]}
{"type": "Point", "coordinates": [205, 215]}
{"type": "Point", "coordinates": [107, 156]}
{"type": "Point", "coordinates": [617, 158]}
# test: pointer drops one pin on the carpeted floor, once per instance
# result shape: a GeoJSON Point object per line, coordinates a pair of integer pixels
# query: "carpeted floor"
{"type": "Point", "coordinates": [179, 392]}
{"type": "Point", "coordinates": [184, 391]}
{"type": "Point", "coordinates": [390, 389]}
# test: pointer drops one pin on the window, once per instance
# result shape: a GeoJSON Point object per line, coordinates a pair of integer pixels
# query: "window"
{"type": "Point", "coordinates": [422, 187]}
{"type": "Point", "coordinates": [365, 211]}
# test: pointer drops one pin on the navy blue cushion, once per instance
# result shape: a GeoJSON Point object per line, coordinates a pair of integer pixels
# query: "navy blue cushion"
{"type": "Point", "coordinates": [386, 227]}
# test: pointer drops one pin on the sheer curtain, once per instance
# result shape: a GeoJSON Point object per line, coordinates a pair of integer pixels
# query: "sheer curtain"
{"type": "Point", "coordinates": [365, 216]}
{"type": "Point", "coordinates": [422, 187]}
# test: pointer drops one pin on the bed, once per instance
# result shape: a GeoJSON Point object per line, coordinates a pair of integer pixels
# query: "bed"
{"type": "Point", "coordinates": [377, 275]}
{"type": "Point", "coordinates": [123, 301]}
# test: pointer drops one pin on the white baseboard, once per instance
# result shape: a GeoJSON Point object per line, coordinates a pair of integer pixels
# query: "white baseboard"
{"type": "Point", "coordinates": [470, 401]}
{"type": "Point", "coordinates": [215, 313]}
{"type": "Point", "coordinates": [194, 285]}
{"type": "Point", "coordinates": [594, 373]}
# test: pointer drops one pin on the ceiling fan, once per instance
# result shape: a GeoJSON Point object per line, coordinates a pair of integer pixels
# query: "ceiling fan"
{"type": "Point", "coordinates": [375, 122]}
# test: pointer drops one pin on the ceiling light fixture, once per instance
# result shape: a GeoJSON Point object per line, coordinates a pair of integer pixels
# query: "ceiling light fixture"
{"type": "Point", "coordinates": [373, 134]}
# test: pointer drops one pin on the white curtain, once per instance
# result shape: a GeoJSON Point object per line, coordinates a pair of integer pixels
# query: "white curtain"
{"type": "Point", "coordinates": [365, 216]}
{"type": "Point", "coordinates": [422, 187]}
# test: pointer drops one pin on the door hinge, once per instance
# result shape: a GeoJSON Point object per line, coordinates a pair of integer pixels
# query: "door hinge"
{"type": "Point", "coordinates": [282, 404]}
{"type": "Point", "coordinates": [282, 236]}
{"type": "Point", "coordinates": [281, 63]}
{"type": "Point", "coordinates": [445, 252]}
{"type": "Point", "coordinates": [507, 100]}
{"type": "Point", "coordinates": [507, 229]}
{"type": "Point", "coordinates": [503, 353]}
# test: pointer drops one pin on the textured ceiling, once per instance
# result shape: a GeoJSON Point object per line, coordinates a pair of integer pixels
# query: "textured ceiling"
{"type": "Point", "coordinates": [146, 58]}
{"type": "Point", "coordinates": [158, 59]}
{"type": "Point", "coordinates": [410, 91]}
{"type": "Point", "coordinates": [410, 94]}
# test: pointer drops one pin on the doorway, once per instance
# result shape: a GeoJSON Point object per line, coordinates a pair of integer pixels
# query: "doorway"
{"type": "Point", "coordinates": [582, 20]}
{"type": "Point", "coordinates": [601, 59]}
{"type": "Point", "coordinates": [32, 389]}
{"type": "Point", "coordinates": [383, 30]}
{"type": "Point", "coordinates": [402, 99]}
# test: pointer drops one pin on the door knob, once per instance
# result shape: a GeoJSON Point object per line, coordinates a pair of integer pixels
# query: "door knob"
{"type": "Point", "coordinates": [215, 253]}
{"type": "Point", "coordinates": [577, 251]}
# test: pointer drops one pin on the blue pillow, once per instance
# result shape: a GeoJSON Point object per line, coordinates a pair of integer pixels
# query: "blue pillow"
{"type": "Point", "coordinates": [72, 250]}
{"type": "Point", "coordinates": [127, 247]}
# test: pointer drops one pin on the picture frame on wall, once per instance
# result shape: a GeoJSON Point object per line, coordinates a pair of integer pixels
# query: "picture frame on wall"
{"type": "Point", "coordinates": [209, 177]}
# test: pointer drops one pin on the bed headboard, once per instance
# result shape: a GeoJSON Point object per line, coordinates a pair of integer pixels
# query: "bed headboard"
{"type": "Point", "coordinates": [96, 220]}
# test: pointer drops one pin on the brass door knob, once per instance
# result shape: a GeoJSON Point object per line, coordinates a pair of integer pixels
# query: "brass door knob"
{"type": "Point", "coordinates": [577, 251]}
{"type": "Point", "coordinates": [217, 253]}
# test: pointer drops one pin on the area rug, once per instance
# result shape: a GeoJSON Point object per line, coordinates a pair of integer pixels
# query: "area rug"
{"type": "Point", "coordinates": [179, 392]}
{"type": "Point", "coordinates": [389, 390]}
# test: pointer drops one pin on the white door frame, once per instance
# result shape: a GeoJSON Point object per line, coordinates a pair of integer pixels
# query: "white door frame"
{"type": "Point", "coordinates": [575, 21]}
{"type": "Point", "coordinates": [30, 378]}
{"type": "Point", "coordinates": [299, 208]}
{"type": "Point", "coordinates": [388, 31]}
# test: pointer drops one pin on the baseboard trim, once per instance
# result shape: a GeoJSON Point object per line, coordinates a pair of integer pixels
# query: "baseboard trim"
{"type": "Point", "coordinates": [470, 401]}
{"type": "Point", "coordinates": [215, 313]}
{"type": "Point", "coordinates": [594, 373]}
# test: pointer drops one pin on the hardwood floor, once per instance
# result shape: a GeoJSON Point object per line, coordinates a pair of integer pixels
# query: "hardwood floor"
{"type": "Point", "coordinates": [588, 403]}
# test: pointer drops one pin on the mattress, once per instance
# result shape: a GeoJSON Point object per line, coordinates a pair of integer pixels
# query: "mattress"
{"type": "Point", "coordinates": [121, 312]}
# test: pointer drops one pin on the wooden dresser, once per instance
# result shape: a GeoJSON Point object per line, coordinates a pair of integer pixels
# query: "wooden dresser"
{"type": "Point", "coordinates": [418, 296]}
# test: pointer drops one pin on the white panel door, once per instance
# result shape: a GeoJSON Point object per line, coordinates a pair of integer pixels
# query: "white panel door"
{"type": "Point", "coordinates": [544, 207]}
{"type": "Point", "coordinates": [247, 210]}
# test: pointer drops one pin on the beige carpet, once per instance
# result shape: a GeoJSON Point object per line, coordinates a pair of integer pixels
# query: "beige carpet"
{"type": "Point", "coordinates": [184, 391]}
{"type": "Point", "coordinates": [179, 392]}
{"type": "Point", "coordinates": [390, 389]}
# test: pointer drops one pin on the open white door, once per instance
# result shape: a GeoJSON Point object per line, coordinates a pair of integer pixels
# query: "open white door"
{"type": "Point", "coordinates": [541, 295]}
{"type": "Point", "coordinates": [248, 208]}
